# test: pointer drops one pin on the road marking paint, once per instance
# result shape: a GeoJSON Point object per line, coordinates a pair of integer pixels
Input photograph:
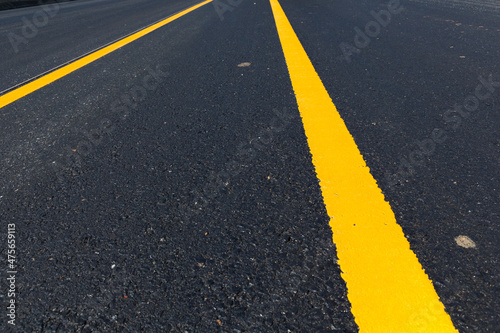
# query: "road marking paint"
{"type": "Point", "coordinates": [387, 287]}
{"type": "Point", "coordinates": [32, 86]}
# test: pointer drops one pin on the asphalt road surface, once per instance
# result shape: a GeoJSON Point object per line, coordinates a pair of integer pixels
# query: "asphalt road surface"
{"type": "Point", "coordinates": [181, 180]}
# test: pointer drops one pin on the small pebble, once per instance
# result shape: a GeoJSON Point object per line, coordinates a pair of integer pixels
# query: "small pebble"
{"type": "Point", "coordinates": [465, 241]}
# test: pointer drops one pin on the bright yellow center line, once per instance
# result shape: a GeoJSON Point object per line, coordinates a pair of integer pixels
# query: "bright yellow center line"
{"type": "Point", "coordinates": [26, 89]}
{"type": "Point", "coordinates": [387, 287]}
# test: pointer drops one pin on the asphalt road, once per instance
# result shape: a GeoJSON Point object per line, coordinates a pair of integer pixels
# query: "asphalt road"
{"type": "Point", "coordinates": [168, 186]}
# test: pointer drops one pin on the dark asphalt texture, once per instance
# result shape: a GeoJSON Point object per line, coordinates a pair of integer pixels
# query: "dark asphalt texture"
{"type": "Point", "coordinates": [164, 188]}
{"type": "Point", "coordinates": [31, 45]}
{"type": "Point", "coordinates": [14, 4]}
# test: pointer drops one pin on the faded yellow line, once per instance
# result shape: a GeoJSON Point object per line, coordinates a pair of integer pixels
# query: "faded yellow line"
{"type": "Point", "coordinates": [63, 71]}
{"type": "Point", "coordinates": [387, 287]}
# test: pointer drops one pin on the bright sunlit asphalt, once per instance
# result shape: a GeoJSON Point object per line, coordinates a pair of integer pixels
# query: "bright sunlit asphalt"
{"type": "Point", "coordinates": [250, 166]}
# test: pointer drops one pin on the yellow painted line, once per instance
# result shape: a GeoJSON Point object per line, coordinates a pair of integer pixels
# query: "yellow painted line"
{"type": "Point", "coordinates": [28, 88]}
{"type": "Point", "coordinates": [387, 287]}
